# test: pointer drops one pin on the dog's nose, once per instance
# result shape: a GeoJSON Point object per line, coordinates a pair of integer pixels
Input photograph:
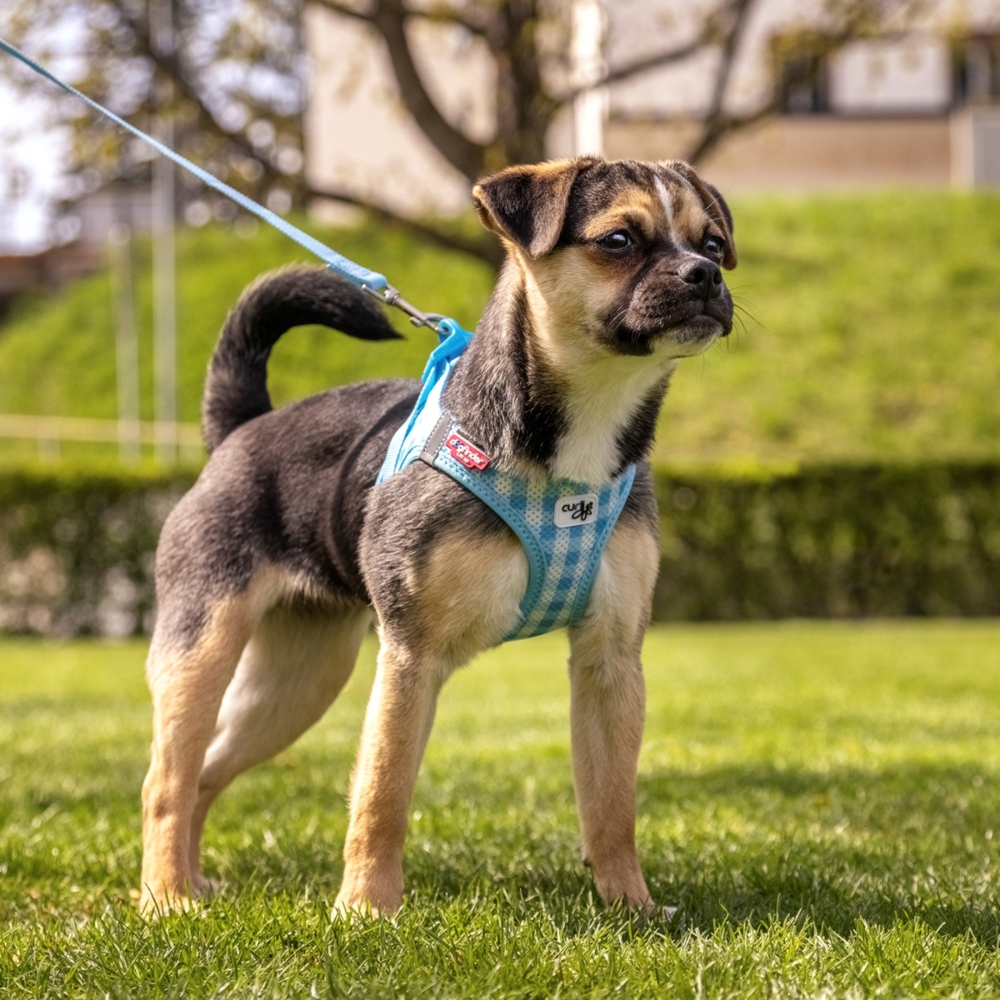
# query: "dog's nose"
{"type": "Point", "coordinates": [705, 279]}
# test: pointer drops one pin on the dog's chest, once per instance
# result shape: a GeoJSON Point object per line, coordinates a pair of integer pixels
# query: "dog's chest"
{"type": "Point", "coordinates": [600, 411]}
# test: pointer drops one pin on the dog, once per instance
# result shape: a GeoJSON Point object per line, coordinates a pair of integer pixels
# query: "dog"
{"type": "Point", "coordinates": [271, 569]}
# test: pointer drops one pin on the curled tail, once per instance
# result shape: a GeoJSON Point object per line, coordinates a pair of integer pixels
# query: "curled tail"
{"type": "Point", "coordinates": [236, 384]}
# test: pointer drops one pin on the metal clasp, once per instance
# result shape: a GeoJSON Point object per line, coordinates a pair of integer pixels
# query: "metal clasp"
{"type": "Point", "coordinates": [390, 296]}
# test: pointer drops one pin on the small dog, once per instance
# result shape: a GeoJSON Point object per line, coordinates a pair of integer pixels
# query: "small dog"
{"type": "Point", "coordinates": [270, 569]}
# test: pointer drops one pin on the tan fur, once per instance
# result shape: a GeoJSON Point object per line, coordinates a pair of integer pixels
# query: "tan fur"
{"type": "Point", "coordinates": [607, 711]}
{"type": "Point", "coordinates": [295, 664]}
{"type": "Point", "coordinates": [470, 603]}
{"type": "Point", "coordinates": [188, 687]}
{"type": "Point", "coordinates": [466, 605]}
{"type": "Point", "coordinates": [634, 207]}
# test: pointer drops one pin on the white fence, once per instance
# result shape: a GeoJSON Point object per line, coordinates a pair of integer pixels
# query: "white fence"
{"type": "Point", "coordinates": [50, 432]}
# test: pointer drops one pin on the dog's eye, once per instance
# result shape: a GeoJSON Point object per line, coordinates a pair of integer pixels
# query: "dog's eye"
{"type": "Point", "coordinates": [618, 240]}
{"type": "Point", "coordinates": [714, 246]}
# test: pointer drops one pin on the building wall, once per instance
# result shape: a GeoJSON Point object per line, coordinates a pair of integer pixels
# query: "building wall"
{"type": "Point", "coordinates": [360, 137]}
{"type": "Point", "coordinates": [805, 152]}
{"type": "Point", "coordinates": [907, 71]}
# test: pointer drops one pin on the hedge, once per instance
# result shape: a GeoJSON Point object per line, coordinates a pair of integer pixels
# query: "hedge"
{"type": "Point", "coordinates": [76, 547]}
{"type": "Point", "coordinates": [830, 541]}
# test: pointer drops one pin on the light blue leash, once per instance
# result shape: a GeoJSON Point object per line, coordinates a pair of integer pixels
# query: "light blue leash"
{"type": "Point", "coordinates": [369, 281]}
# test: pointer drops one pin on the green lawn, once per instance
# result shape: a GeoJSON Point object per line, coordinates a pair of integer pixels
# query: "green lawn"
{"type": "Point", "coordinates": [819, 799]}
{"type": "Point", "coordinates": [869, 327]}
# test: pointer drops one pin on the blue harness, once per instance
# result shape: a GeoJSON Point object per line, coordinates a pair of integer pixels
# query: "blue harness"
{"type": "Point", "coordinates": [563, 525]}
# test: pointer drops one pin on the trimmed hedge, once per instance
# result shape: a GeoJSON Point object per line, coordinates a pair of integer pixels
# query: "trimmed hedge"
{"type": "Point", "coordinates": [830, 541]}
{"type": "Point", "coordinates": [76, 548]}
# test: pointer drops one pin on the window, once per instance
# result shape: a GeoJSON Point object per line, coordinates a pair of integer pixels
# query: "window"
{"type": "Point", "coordinates": [804, 84]}
{"type": "Point", "coordinates": [976, 70]}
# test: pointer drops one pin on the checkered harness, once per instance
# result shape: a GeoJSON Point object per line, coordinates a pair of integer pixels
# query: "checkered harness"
{"type": "Point", "coordinates": [563, 525]}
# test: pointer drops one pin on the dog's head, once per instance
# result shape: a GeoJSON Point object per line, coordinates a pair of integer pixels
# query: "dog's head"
{"type": "Point", "coordinates": [628, 253]}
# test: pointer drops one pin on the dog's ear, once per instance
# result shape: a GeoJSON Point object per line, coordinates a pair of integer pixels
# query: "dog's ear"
{"type": "Point", "coordinates": [527, 204]}
{"type": "Point", "coordinates": [714, 204]}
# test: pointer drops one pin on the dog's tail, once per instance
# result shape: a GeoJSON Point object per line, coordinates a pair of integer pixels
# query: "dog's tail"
{"type": "Point", "coordinates": [236, 384]}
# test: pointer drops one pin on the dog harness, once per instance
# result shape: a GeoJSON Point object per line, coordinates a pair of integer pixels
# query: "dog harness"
{"type": "Point", "coordinates": [563, 525]}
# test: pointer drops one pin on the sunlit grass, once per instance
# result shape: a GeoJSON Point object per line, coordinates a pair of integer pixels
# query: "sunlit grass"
{"type": "Point", "coordinates": [819, 799]}
{"type": "Point", "coordinates": [868, 326]}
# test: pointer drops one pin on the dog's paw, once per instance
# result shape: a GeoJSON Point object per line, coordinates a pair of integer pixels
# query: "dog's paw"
{"type": "Point", "coordinates": [363, 909]}
{"type": "Point", "coordinates": [202, 886]}
{"type": "Point", "coordinates": [375, 890]}
{"type": "Point", "coordinates": [152, 906]}
{"type": "Point", "coordinates": [351, 911]}
{"type": "Point", "coordinates": [622, 883]}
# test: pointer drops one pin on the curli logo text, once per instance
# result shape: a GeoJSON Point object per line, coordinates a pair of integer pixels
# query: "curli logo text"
{"type": "Point", "coordinates": [576, 510]}
{"type": "Point", "coordinates": [468, 454]}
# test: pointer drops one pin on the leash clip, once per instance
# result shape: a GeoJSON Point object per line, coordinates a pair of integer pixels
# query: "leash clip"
{"type": "Point", "coordinates": [390, 296]}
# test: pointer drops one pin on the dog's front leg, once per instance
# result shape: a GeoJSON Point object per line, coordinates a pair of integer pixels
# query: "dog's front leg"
{"type": "Point", "coordinates": [446, 582]}
{"type": "Point", "coordinates": [397, 724]}
{"type": "Point", "coordinates": [607, 711]}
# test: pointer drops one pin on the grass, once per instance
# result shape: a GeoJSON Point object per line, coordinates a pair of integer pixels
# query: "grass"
{"type": "Point", "coordinates": [57, 356]}
{"type": "Point", "coordinates": [819, 799]}
{"type": "Point", "coordinates": [869, 328]}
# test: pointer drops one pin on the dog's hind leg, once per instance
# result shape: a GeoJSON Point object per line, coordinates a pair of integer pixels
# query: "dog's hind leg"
{"type": "Point", "coordinates": [607, 710]}
{"type": "Point", "coordinates": [296, 662]}
{"type": "Point", "coordinates": [187, 678]}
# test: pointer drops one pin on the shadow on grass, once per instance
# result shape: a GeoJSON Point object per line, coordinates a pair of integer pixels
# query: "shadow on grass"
{"type": "Point", "coordinates": [751, 843]}
{"type": "Point", "coordinates": [744, 844]}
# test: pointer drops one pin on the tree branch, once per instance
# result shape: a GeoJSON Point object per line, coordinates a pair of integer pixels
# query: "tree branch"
{"type": "Point", "coordinates": [716, 122]}
{"type": "Point", "coordinates": [341, 8]}
{"type": "Point", "coordinates": [725, 125]}
{"type": "Point", "coordinates": [635, 68]}
{"type": "Point", "coordinates": [486, 247]}
{"type": "Point", "coordinates": [388, 17]}
{"type": "Point", "coordinates": [730, 46]}
{"type": "Point", "coordinates": [170, 64]}
{"type": "Point", "coordinates": [461, 152]}
{"type": "Point", "coordinates": [444, 13]}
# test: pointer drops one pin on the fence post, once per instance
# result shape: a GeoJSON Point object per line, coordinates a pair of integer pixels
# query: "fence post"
{"type": "Point", "coordinates": [126, 343]}
{"type": "Point", "coordinates": [48, 440]}
{"type": "Point", "coordinates": [164, 257]}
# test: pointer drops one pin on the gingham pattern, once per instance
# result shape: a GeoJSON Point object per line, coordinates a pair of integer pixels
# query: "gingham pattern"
{"type": "Point", "coordinates": [562, 561]}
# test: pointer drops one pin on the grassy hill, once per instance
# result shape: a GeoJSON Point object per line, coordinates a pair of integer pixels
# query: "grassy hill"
{"type": "Point", "coordinates": [870, 327]}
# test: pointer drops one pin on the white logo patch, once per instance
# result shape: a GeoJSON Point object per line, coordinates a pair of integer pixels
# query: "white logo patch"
{"type": "Point", "coordinates": [573, 511]}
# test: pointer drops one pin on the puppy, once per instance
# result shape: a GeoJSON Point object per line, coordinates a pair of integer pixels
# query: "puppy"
{"type": "Point", "coordinates": [270, 570]}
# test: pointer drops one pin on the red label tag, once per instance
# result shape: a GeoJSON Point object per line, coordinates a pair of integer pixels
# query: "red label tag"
{"type": "Point", "coordinates": [468, 454]}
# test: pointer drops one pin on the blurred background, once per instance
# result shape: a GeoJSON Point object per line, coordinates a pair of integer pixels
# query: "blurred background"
{"type": "Point", "coordinates": [837, 456]}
